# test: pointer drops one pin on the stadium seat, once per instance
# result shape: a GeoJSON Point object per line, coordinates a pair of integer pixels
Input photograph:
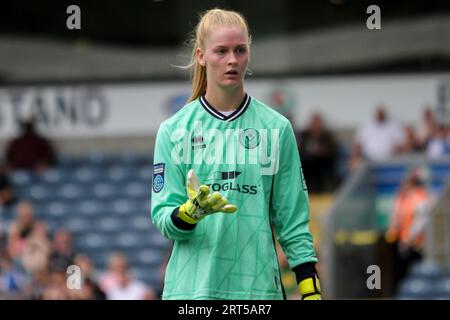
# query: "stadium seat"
{"type": "Point", "coordinates": [105, 191]}
{"type": "Point", "coordinates": [127, 240]}
{"type": "Point", "coordinates": [145, 173]}
{"type": "Point", "coordinates": [70, 191]}
{"type": "Point", "coordinates": [89, 207]}
{"type": "Point", "coordinates": [52, 176]}
{"type": "Point", "coordinates": [137, 190]}
{"type": "Point", "coordinates": [79, 225]}
{"type": "Point", "coordinates": [117, 174]}
{"type": "Point", "coordinates": [110, 224]}
{"type": "Point", "coordinates": [86, 174]}
{"type": "Point", "coordinates": [150, 276]}
{"type": "Point", "coordinates": [56, 210]}
{"type": "Point", "coordinates": [425, 270]}
{"type": "Point", "coordinates": [90, 242]}
{"type": "Point", "coordinates": [146, 257]}
{"type": "Point", "coordinates": [416, 289]}
{"type": "Point", "coordinates": [158, 240]}
{"type": "Point", "coordinates": [141, 222]}
{"type": "Point", "coordinates": [21, 178]}
{"type": "Point", "coordinates": [442, 288]}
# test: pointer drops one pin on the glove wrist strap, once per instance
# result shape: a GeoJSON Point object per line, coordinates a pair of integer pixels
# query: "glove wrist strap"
{"type": "Point", "coordinates": [309, 286]}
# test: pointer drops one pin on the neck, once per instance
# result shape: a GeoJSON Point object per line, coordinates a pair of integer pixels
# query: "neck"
{"type": "Point", "coordinates": [225, 100]}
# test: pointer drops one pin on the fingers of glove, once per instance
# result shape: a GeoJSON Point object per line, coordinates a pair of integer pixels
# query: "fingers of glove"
{"type": "Point", "coordinates": [202, 195]}
{"type": "Point", "coordinates": [192, 184]}
{"type": "Point", "coordinates": [219, 204]}
{"type": "Point", "coordinates": [214, 198]}
{"type": "Point", "coordinates": [229, 208]}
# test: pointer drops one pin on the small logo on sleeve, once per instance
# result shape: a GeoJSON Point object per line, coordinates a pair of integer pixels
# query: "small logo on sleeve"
{"type": "Point", "coordinates": [158, 177]}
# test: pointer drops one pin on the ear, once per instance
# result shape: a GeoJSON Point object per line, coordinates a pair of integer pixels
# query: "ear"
{"type": "Point", "coordinates": [200, 56]}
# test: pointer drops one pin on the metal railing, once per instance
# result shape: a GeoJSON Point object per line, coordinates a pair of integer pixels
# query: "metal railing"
{"type": "Point", "coordinates": [437, 245]}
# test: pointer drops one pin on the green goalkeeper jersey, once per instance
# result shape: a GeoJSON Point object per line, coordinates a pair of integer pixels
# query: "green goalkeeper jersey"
{"type": "Point", "coordinates": [250, 156]}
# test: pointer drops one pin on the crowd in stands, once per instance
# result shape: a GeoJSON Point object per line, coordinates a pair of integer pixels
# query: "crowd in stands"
{"type": "Point", "coordinates": [380, 138]}
{"type": "Point", "coordinates": [34, 262]}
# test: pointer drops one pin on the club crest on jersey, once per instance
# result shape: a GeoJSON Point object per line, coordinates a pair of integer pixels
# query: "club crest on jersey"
{"type": "Point", "coordinates": [249, 138]}
{"type": "Point", "coordinates": [158, 177]}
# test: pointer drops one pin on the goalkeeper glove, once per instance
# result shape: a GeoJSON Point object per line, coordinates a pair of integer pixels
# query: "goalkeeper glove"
{"type": "Point", "coordinates": [201, 203]}
{"type": "Point", "coordinates": [310, 288]}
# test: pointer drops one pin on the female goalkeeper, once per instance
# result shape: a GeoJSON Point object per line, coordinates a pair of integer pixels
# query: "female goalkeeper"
{"type": "Point", "coordinates": [227, 169]}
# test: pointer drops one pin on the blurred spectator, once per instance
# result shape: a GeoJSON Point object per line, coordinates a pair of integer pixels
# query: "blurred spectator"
{"type": "Point", "coordinates": [15, 243]}
{"type": "Point", "coordinates": [90, 290]}
{"type": "Point", "coordinates": [24, 220]}
{"type": "Point", "coordinates": [411, 143]}
{"type": "Point", "coordinates": [20, 229]}
{"type": "Point", "coordinates": [118, 284]}
{"type": "Point", "coordinates": [7, 197]}
{"type": "Point", "coordinates": [116, 263]}
{"type": "Point", "coordinates": [427, 127]}
{"type": "Point", "coordinates": [319, 151]}
{"type": "Point", "coordinates": [408, 221]}
{"type": "Point", "coordinates": [57, 287]}
{"type": "Point", "coordinates": [63, 254]}
{"type": "Point", "coordinates": [130, 289]}
{"type": "Point", "coordinates": [30, 150]}
{"type": "Point", "coordinates": [8, 202]}
{"type": "Point", "coordinates": [439, 143]}
{"type": "Point", "coordinates": [37, 249]}
{"type": "Point", "coordinates": [380, 138]}
{"type": "Point", "coordinates": [356, 157]}
{"type": "Point", "coordinates": [12, 280]}
{"type": "Point", "coordinates": [39, 282]}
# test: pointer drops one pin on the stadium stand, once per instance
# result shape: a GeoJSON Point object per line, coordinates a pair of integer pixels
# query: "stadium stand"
{"type": "Point", "coordinates": [104, 200]}
{"type": "Point", "coordinates": [357, 221]}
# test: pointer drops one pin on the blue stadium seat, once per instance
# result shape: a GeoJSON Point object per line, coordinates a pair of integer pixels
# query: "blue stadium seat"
{"type": "Point", "coordinates": [105, 191]}
{"type": "Point", "coordinates": [110, 224]}
{"type": "Point", "coordinates": [416, 288]}
{"type": "Point", "coordinates": [158, 240]}
{"type": "Point", "coordinates": [145, 173]}
{"type": "Point", "coordinates": [128, 240]}
{"type": "Point", "coordinates": [79, 226]}
{"type": "Point", "coordinates": [86, 174]}
{"type": "Point", "coordinates": [145, 257]}
{"type": "Point", "coordinates": [425, 270]}
{"type": "Point", "coordinates": [90, 242]}
{"type": "Point", "coordinates": [442, 287]}
{"type": "Point", "coordinates": [99, 258]}
{"type": "Point", "coordinates": [56, 210]}
{"type": "Point", "coordinates": [21, 178]}
{"type": "Point", "coordinates": [137, 190]}
{"type": "Point", "coordinates": [141, 222]}
{"type": "Point", "coordinates": [123, 207]}
{"type": "Point", "coordinates": [53, 176]}
{"type": "Point", "coordinates": [40, 194]}
{"type": "Point", "coordinates": [91, 208]}
{"type": "Point", "coordinates": [70, 191]}
{"type": "Point", "coordinates": [118, 174]}
{"type": "Point", "coordinates": [150, 276]}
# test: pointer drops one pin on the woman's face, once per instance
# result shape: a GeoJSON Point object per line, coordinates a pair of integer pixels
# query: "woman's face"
{"type": "Point", "coordinates": [225, 56]}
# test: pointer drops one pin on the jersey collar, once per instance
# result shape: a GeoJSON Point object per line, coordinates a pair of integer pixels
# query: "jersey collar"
{"type": "Point", "coordinates": [217, 114]}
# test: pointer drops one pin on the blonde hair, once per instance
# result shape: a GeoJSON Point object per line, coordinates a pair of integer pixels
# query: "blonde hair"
{"type": "Point", "coordinates": [208, 20]}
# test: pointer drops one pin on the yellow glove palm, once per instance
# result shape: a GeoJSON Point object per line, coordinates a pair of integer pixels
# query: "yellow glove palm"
{"type": "Point", "coordinates": [310, 288]}
{"type": "Point", "coordinates": [201, 203]}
